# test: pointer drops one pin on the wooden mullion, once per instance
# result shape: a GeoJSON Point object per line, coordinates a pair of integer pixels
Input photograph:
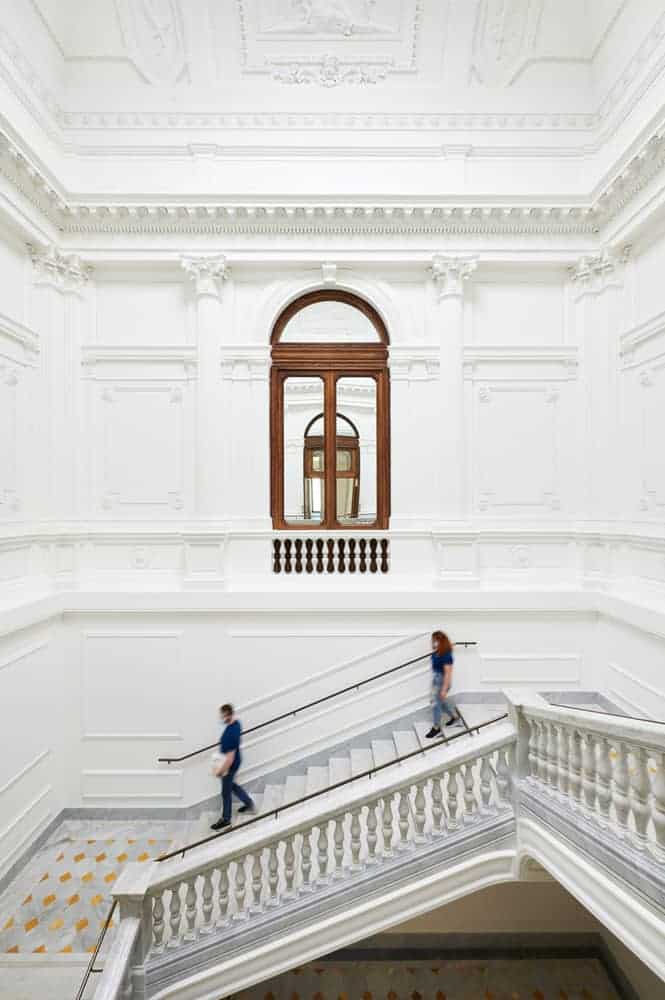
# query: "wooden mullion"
{"type": "Point", "coordinates": [330, 449]}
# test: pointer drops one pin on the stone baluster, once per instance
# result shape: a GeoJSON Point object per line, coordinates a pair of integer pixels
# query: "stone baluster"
{"type": "Point", "coordinates": [387, 826]}
{"type": "Point", "coordinates": [542, 753]}
{"type": "Point", "coordinates": [564, 753]}
{"type": "Point", "coordinates": [257, 882]}
{"type": "Point", "coordinates": [239, 890]}
{"type": "Point", "coordinates": [486, 786]}
{"type": "Point", "coordinates": [620, 793]}
{"type": "Point", "coordinates": [207, 906]}
{"type": "Point", "coordinates": [470, 804]}
{"type": "Point", "coordinates": [190, 909]}
{"type": "Point", "coordinates": [533, 749]}
{"type": "Point", "coordinates": [639, 796]}
{"type": "Point", "coordinates": [306, 860]}
{"type": "Point", "coordinates": [338, 847]}
{"type": "Point", "coordinates": [273, 875]}
{"type": "Point", "coordinates": [575, 758]}
{"type": "Point", "coordinates": [289, 867]}
{"type": "Point", "coordinates": [372, 824]}
{"type": "Point", "coordinates": [419, 819]}
{"type": "Point", "coordinates": [403, 811]}
{"type": "Point", "coordinates": [589, 771]}
{"type": "Point", "coordinates": [355, 840]}
{"type": "Point", "coordinates": [503, 777]}
{"type": "Point", "coordinates": [157, 923]}
{"type": "Point", "coordinates": [604, 781]}
{"type": "Point", "coordinates": [223, 897]}
{"type": "Point", "coordinates": [659, 803]}
{"type": "Point", "coordinates": [451, 798]}
{"type": "Point", "coordinates": [437, 805]}
{"type": "Point", "coordinates": [175, 915]}
{"type": "Point", "coordinates": [322, 855]}
{"type": "Point", "coordinates": [553, 756]}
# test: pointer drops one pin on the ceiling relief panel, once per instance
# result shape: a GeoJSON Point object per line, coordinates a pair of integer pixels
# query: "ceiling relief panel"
{"type": "Point", "coordinates": [153, 34]}
{"type": "Point", "coordinates": [329, 42]}
{"type": "Point", "coordinates": [505, 37]}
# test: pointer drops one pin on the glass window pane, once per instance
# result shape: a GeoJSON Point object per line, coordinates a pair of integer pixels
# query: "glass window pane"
{"type": "Point", "coordinates": [329, 322]}
{"type": "Point", "coordinates": [356, 451]}
{"type": "Point", "coordinates": [304, 485]}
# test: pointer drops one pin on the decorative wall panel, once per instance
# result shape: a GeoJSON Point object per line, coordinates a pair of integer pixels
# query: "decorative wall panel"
{"type": "Point", "coordinates": [557, 669]}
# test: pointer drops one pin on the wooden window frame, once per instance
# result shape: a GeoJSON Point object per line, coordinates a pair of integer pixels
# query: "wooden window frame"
{"type": "Point", "coordinates": [329, 362]}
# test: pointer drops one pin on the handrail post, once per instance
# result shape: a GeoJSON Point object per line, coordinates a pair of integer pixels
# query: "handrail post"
{"type": "Point", "coordinates": [131, 893]}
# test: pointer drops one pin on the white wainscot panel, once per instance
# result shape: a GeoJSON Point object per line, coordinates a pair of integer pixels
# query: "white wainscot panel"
{"type": "Point", "coordinates": [140, 561]}
{"type": "Point", "coordinates": [518, 312]}
{"type": "Point", "coordinates": [634, 695]}
{"type": "Point", "coordinates": [24, 827]}
{"type": "Point", "coordinates": [523, 554]}
{"type": "Point", "coordinates": [143, 429]}
{"type": "Point", "coordinates": [652, 406]}
{"type": "Point", "coordinates": [130, 685]}
{"type": "Point", "coordinates": [552, 669]}
{"type": "Point", "coordinates": [140, 312]}
{"type": "Point", "coordinates": [117, 785]}
{"type": "Point", "coordinates": [516, 454]}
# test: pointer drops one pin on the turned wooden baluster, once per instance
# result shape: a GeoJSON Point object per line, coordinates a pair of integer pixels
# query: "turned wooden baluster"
{"type": "Point", "coordinates": [190, 909]}
{"type": "Point", "coordinates": [207, 905]}
{"type": "Point", "coordinates": [419, 817]}
{"type": "Point", "coordinates": [298, 544]}
{"type": "Point", "coordinates": [352, 555]}
{"type": "Point", "coordinates": [319, 555]}
{"type": "Point", "coordinates": [287, 555]}
{"type": "Point", "coordinates": [338, 847]}
{"type": "Point", "coordinates": [157, 923]}
{"type": "Point", "coordinates": [486, 786]}
{"type": "Point", "coordinates": [277, 556]}
{"type": "Point", "coordinates": [470, 804]}
{"type": "Point", "coordinates": [289, 867]}
{"type": "Point", "coordinates": [322, 855]}
{"type": "Point", "coordinates": [503, 779]}
{"type": "Point", "coordinates": [355, 840]}
{"type": "Point", "coordinates": [575, 758]}
{"type": "Point", "coordinates": [175, 916]}
{"type": "Point", "coordinates": [372, 825]}
{"type": "Point", "coordinates": [384, 555]}
{"type": "Point", "coordinates": [330, 565]}
{"type": "Point", "coordinates": [659, 803]}
{"type": "Point", "coordinates": [306, 860]}
{"type": "Point", "coordinates": [403, 812]}
{"type": "Point", "coordinates": [362, 544]}
{"type": "Point", "coordinates": [373, 564]}
{"type": "Point", "coordinates": [309, 548]}
{"type": "Point", "coordinates": [451, 798]}
{"type": "Point", "coordinates": [387, 826]}
{"type": "Point", "coordinates": [239, 890]}
{"type": "Point", "coordinates": [589, 771]}
{"type": "Point", "coordinates": [639, 796]}
{"type": "Point", "coordinates": [437, 805]}
{"type": "Point", "coordinates": [257, 882]}
{"type": "Point", "coordinates": [341, 555]}
{"type": "Point", "coordinates": [604, 781]}
{"type": "Point", "coordinates": [223, 897]}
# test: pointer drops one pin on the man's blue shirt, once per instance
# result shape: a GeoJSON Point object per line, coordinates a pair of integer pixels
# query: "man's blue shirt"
{"type": "Point", "coordinates": [231, 741]}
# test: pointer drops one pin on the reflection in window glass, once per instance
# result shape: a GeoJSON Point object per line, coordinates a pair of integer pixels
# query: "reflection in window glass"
{"type": "Point", "coordinates": [329, 322]}
{"type": "Point", "coordinates": [356, 451]}
{"type": "Point", "coordinates": [304, 465]}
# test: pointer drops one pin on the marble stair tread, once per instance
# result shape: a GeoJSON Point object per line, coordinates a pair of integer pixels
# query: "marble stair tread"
{"type": "Point", "coordinates": [475, 715]}
{"type": "Point", "coordinates": [294, 787]}
{"type": "Point", "coordinates": [340, 769]}
{"type": "Point", "coordinates": [318, 778]}
{"type": "Point", "coordinates": [361, 760]}
{"type": "Point", "coordinates": [383, 752]}
{"type": "Point", "coordinates": [273, 798]}
{"type": "Point", "coordinates": [405, 741]}
{"type": "Point", "coordinates": [421, 728]}
{"type": "Point", "coordinates": [257, 799]}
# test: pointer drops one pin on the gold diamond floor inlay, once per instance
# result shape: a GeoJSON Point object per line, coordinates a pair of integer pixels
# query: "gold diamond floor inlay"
{"type": "Point", "coordinates": [59, 902]}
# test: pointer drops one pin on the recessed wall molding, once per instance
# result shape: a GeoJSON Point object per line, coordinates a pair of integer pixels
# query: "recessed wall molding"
{"type": "Point", "coordinates": [18, 343]}
{"type": "Point", "coordinates": [636, 345]}
{"type": "Point", "coordinates": [632, 679]}
{"type": "Point", "coordinates": [108, 362]}
{"type": "Point", "coordinates": [22, 653]}
{"type": "Point", "coordinates": [414, 364]}
{"type": "Point", "coordinates": [119, 784]}
{"type": "Point", "coordinates": [481, 363]}
{"type": "Point", "coordinates": [245, 363]}
{"type": "Point", "coordinates": [25, 770]}
{"type": "Point", "coordinates": [530, 668]}
{"type": "Point", "coordinates": [18, 822]}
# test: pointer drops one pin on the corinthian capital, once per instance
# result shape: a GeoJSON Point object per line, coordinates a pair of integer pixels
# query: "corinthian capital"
{"type": "Point", "coordinates": [207, 273]}
{"type": "Point", "coordinates": [593, 273]}
{"type": "Point", "coordinates": [450, 273]}
{"type": "Point", "coordinates": [64, 272]}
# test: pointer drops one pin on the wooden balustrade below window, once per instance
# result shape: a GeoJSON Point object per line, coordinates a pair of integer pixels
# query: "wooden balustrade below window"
{"type": "Point", "coordinates": [330, 555]}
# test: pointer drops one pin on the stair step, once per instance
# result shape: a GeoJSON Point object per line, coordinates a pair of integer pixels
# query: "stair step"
{"type": "Point", "coordinates": [273, 797]}
{"type": "Point", "coordinates": [383, 751]}
{"type": "Point", "coordinates": [420, 729]}
{"type": "Point", "coordinates": [318, 778]}
{"type": "Point", "coordinates": [340, 769]}
{"type": "Point", "coordinates": [294, 788]}
{"type": "Point", "coordinates": [361, 760]}
{"type": "Point", "coordinates": [406, 741]}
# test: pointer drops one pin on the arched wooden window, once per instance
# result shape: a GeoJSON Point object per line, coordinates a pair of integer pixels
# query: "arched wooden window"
{"type": "Point", "coordinates": [330, 415]}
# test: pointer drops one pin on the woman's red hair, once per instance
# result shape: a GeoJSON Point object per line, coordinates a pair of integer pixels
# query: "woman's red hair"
{"type": "Point", "coordinates": [443, 643]}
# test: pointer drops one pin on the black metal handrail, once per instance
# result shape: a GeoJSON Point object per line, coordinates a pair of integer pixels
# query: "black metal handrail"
{"type": "Point", "coordinates": [310, 704]}
{"type": "Point", "coordinates": [274, 813]}
{"type": "Point", "coordinates": [93, 958]}
{"type": "Point", "coordinates": [599, 711]}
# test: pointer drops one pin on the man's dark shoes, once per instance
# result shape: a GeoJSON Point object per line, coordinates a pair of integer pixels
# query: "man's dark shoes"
{"type": "Point", "coordinates": [451, 722]}
{"type": "Point", "coordinates": [250, 808]}
{"type": "Point", "coordinates": [434, 731]}
{"type": "Point", "coordinates": [221, 824]}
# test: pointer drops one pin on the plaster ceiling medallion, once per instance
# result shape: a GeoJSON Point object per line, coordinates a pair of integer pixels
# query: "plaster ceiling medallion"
{"type": "Point", "coordinates": [153, 35]}
{"type": "Point", "coordinates": [329, 42]}
{"type": "Point", "coordinates": [505, 35]}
